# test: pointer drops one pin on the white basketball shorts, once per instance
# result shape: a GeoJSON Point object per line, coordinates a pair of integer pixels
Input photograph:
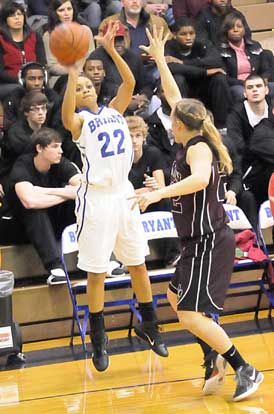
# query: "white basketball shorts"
{"type": "Point", "coordinates": [106, 224]}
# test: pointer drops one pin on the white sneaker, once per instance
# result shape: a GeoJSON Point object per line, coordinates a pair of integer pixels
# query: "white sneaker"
{"type": "Point", "coordinates": [56, 277]}
{"type": "Point", "coordinates": [215, 366]}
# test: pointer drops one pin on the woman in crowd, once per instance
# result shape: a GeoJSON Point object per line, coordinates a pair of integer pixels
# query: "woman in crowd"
{"type": "Point", "coordinates": [18, 45]}
{"type": "Point", "coordinates": [242, 56]}
{"type": "Point", "coordinates": [61, 11]}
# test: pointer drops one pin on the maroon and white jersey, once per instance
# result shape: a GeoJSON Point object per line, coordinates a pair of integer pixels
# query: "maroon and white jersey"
{"type": "Point", "coordinates": [201, 212]}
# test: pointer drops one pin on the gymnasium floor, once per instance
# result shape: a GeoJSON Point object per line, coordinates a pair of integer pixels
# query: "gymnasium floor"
{"type": "Point", "coordinates": [57, 379]}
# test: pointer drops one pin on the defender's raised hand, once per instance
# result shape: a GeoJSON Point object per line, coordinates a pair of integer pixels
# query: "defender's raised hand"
{"type": "Point", "coordinates": [107, 40]}
{"type": "Point", "coordinates": [157, 42]}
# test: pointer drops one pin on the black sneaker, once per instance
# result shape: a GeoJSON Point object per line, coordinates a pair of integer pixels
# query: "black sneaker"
{"type": "Point", "coordinates": [149, 332]}
{"type": "Point", "coordinates": [215, 367]}
{"type": "Point", "coordinates": [115, 269]}
{"type": "Point", "coordinates": [100, 357]}
{"type": "Point", "coordinates": [248, 380]}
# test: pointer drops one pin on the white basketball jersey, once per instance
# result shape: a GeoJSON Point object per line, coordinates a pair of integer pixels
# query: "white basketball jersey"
{"type": "Point", "coordinates": [106, 147]}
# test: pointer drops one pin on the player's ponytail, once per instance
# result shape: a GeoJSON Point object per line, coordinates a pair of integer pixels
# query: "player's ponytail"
{"type": "Point", "coordinates": [214, 137]}
{"type": "Point", "coordinates": [194, 115]}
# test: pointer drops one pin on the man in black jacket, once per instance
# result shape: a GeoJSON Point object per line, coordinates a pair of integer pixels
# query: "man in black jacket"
{"type": "Point", "coordinates": [197, 69]}
{"type": "Point", "coordinates": [250, 127]}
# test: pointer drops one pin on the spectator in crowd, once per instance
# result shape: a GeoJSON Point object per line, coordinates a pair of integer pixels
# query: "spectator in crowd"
{"type": "Point", "coordinates": [143, 82]}
{"type": "Point", "coordinates": [17, 140]}
{"type": "Point", "coordinates": [32, 76]}
{"type": "Point", "coordinates": [250, 127]}
{"type": "Point", "coordinates": [235, 192]}
{"type": "Point", "coordinates": [42, 191]}
{"type": "Point", "coordinates": [147, 172]}
{"type": "Point", "coordinates": [188, 8]}
{"type": "Point", "coordinates": [197, 69]}
{"type": "Point", "coordinates": [95, 71]}
{"type": "Point", "coordinates": [136, 19]}
{"type": "Point", "coordinates": [94, 11]}
{"type": "Point", "coordinates": [160, 133]}
{"type": "Point", "coordinates": [210, 19]}
{"type": "Point", "coordinates": [242, 56]}
{"type": "Point", "coordinates": [38, 7]}
{"type": "Point", "coordinates": [162, 8]}
{"type": "Point", "coordinates": [18, 45]}
{"type": "Point", "coordinates": [38, 14]}
{"type": "Point", "coordinates": [59, 12]}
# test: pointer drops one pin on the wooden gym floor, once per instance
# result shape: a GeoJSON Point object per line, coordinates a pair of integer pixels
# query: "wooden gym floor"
{"type": "Point", "coordinates": [57, 379]}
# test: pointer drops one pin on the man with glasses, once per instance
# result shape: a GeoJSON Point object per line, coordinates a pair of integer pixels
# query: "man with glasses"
{"type": "Point", "coordinates": [17, 140]}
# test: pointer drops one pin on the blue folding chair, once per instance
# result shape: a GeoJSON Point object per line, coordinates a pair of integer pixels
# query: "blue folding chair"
{"type": "Point", "coordinates": [159, 225]}
{"type": "Point", "coordinates": [239, 222]}
{"type": "Point", "coordinates": [265, 223]}
{"type": "Point", "coordinates": [81, 312]}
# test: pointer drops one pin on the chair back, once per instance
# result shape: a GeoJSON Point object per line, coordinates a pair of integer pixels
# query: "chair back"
{"type": "Point", "coordinates": [237, 218]}
{"type": "Point", "coordinates": [265, 216]}
{"type": "Point", "coordinates": [265, 221]}
{"type": "Point", "coordinates": [69, 242]}
{"type": "Point", "coordinates": [158, 225]}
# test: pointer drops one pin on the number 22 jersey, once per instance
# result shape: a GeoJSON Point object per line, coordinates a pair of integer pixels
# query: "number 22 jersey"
{"type": "Point", "coordinates": [106, 147]}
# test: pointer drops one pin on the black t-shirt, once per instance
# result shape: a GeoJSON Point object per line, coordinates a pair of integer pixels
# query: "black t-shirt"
{"type": "Point", "coordinates": [24, 170]}
{"type": "Point", "coordinates": [150, 161]}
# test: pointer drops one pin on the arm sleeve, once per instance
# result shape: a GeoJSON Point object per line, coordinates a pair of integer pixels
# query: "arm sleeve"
{"type": "Point", "coordinates": [4, 76]}
{"type": "Point", "coordinates": [40, 50]}
{"type": "Point", "coordinates": [211, 58]}
{"type": "Point", "coordinates": [19, 172]}
{"type": "Point", "coordinates": [65, 170]}
{"type": "Point", "coordinates": [193, 72]}
{"type": "Point", "coordinates": [155, 158]}
{"type": "Point", "coordinates": [18, 141]}
{"type": "Point", "coordinates": [235, 131]}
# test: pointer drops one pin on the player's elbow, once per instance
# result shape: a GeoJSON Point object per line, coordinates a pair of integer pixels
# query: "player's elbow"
{"type": "Point", "coordinates": [202, 181]}
{"type": "Point", "coordinates": [131, 84]}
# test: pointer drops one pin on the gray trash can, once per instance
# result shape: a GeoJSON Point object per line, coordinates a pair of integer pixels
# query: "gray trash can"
{"type": "Point", "coordinates": [10, 334]}
{"type": "Point", "coordinates": [6, 288]}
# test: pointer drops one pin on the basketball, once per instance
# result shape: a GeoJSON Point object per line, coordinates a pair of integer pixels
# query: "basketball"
{"type": "Point", "coordinates": [69, 42]}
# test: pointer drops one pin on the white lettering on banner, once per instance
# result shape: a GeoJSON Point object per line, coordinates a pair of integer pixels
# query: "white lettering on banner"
{"type": "Point", "coordinates": [6, 337]}
{"type": "Point", "coordinates": [158, 225]}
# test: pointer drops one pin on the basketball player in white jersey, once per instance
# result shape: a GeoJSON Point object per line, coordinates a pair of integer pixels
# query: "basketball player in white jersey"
{"type": "Point", "coordinates": [105, 220]}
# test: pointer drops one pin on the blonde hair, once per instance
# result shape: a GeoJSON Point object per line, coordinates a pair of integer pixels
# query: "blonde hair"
{"type": "Point", "coordinates": [195, 116]}
{"type": "Point", "coordinates": [136, 122]}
